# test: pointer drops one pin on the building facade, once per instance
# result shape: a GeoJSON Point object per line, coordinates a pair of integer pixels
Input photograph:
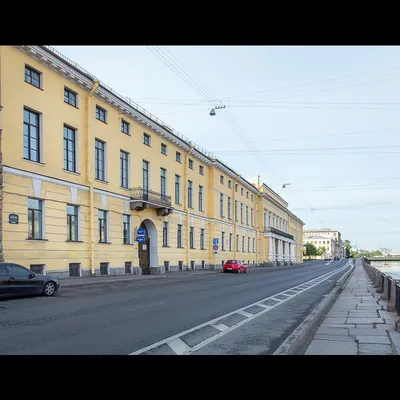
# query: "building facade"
{"type": "Point", "coordinates": [94, 184]}
{"type": "Point", "coordinates": [328, 238]}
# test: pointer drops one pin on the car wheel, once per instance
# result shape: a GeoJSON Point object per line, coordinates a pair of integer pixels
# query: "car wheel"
{"type": "Point", "coordinates": [238, 271]}
{"type": "Point", "coordinates": [49, 288]}
{"type": "Point", "coordinates": [245, 271]}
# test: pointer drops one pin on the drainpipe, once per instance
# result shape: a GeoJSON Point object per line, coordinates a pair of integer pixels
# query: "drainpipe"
{"type": "Point", "coordinates": [89, 174]}
{"type": "Point", "coordinates": [1, 173]}
{"type": "Point", "coordinates": [234, 218]}
{"type": "Point", "coordinates": [185, 199]}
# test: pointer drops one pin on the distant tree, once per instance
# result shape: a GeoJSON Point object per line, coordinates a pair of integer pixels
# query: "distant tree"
{"type": "Point", "coordinates": [375, 253]}
{"type": "Point", "coordinates": [311, 250]}
{"type": "Point", "coordinates": [348, 248]}
{"type": "Point", "coordinates": [355, 254]}
{"type": "Point", "coordinates": [321, 251]}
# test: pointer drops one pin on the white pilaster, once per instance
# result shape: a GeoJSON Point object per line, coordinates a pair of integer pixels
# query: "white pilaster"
{"type": "Point", "coordinates": [280, 250]}
{"type": "Point", "coordinates": [271, 249]}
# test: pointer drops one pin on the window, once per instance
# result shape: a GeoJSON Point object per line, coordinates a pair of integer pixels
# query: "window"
{"type": "Point", "coordinates": [201, 170]}
{"type": "Point", "coordinates": [177, 189]}
{"type": "Point", "coordinates": [163, 149]}
{"type": "Point", "coordinates": [100, 160]}
{"type": "Point", "coordinates": [191, 237]}
{"type": "Point", "coordinates": [221, 204]}
{"type": "Point", "coordinates": [241, 213]}
{"type": "Point", "coordinates": [247, 194]}
{"type": "Point", "coordinates": [70, 97]}
{"type": "Point", "coordinates": [163, 183]}
{"type": "Point", "coordinates": [254, 245]}
{"type": "Point", "coordinates": [248, 244]}
{"type": "Point", "coordinates": [72, 223]}
{"type": "Point", "coordinates": [190, 200]}
{"type": "Point", "coordinates": [251, 217]}
{"type": "Point", "coordinates": [31, 136]}
{"type": "Point", "coordinates": [126, 228]}
{"type": "Point", "coordinates": [202, 239]}
{"type": "Point", "coordinates": [178, 157]}
{"type": "Point", "coordinates": [190, 163]}
{"type": "Point", "coordinates": [223, 241]}
{"type": "Point", "coordinates": [101, 114]}
{"type": "Point", "coordinates": [124, 161]}
{"type": "Point", "coordinates": [201, 198]}
{"type": "Point", "coordinates": [35, 219]}
{"type": "Point", "coordinates": [33, 76]}
{"type": "Point", "coordinates": [241, 191]}
{"type": "Point", "coordinates": [265, 220]}
{"type": "Point", "coordinates": [237, 242]}
{"type": "Point", "coordinates": [103, 237]}
{"type": "Point", "coordinates": [236, 187]}
{"type": "Point", "coordinates": [179, 236]}
{"type": "Point", "coordinates": [243, 243]}
{"type": "Point", "coordinates": [236, 214]}
{"type": "Point", "coordinates": [252, 197]}
{"type": "Point", "coordinates": [146, 139]}
{"type": "Point", "coordinates": [37, 268]}
{"type": "Point", "coordinates": [69, 149]}
{"type": "Point", "coordinates": [247, 215]}
{"type": "Point", "coordinates": [145, 179]}
{"type": "Point", "coordinates": [17, 271]}
{"type": "Point", "coordinates": [221, 179]}
{"type": "Point", "coordinates": [165, 234]}
{"type": "Point", "coordinates": [229, 208]}
{"type": "Point", "coordinates": [269, 219]}
{"type": "Point", "coordinates": [230, 184]}
{"type": "Point", "coordinates": [230, 242]}
{"type": "Point", "coordinates": [125, 127]}
{"type": "Point", "coordinates": [128, 267]}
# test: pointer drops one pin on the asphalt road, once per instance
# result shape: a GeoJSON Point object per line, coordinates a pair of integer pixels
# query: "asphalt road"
{"type": "Point", "coordinates": [125, 317]}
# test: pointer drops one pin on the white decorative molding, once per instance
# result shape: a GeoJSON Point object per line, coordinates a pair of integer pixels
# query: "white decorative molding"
{"type": "Point", "coordinates": [104, 201]}
{"type": "Point", "coordinates": [74, 195]}
{"type": "Point", "coordinates": [37, 184]}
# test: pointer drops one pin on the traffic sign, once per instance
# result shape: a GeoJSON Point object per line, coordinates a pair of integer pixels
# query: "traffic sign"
{"type": "Point", "coordinates": [215, 241]}
{"type": "Point", "coordinates": [215, 247]}
{"type": "Point", "coordinates": [140, 232]}
{"type": "Point", "coordinates": [140, 239]}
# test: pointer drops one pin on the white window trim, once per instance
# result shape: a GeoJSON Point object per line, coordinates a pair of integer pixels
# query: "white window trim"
{"type": "Point", "coordinates": [105, 114]}
{"type": "Point", "coordinates": [40, 78]}
{"type": "Point", "coordinates": [76, 96]}
{"type": "Point", "coordinates": [43, 219]}
{"type": "Point", "coordinates": [79, 224]}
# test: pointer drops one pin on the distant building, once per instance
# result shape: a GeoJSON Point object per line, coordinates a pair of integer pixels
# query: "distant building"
{"type": "Point", "coordinates": [328, 238]}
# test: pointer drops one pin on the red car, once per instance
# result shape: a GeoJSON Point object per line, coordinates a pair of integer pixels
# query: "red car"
{"type": "Point", "coordinates": [235, 266]}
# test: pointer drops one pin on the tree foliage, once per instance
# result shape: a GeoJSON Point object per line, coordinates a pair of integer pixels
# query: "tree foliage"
{"type": "Point", "coordinates": [311, 250]}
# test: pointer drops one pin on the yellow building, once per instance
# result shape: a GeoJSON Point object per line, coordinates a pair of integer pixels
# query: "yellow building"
{"type": "Point", "coordinates": [94, 184]}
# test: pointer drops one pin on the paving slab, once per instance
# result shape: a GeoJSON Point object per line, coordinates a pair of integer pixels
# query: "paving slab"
{"type": "Point", "coordinates": [388, 327]}
{"type": "Point", "coordinates": [395, 337]}
{"type": "Point", "coordinates": [329, 320]}
{"type": "Point", "coordinates": [333, 331]}
{"type": "Point", "coordinates": [365, 314]}
{"type": "Point", "coordinates": [375, 349]}
{"type": "Point", "coordinates": [373, 339]}
{"type": "Point", "coordinates": [387, 315]}
{"type": "Point", "coordinates": [365, 320]}
{"type": "Point", "coordinates": [361, 306]}
{"type": "Point", "coordinates": [324, 347]}
{"type": "Point", "coordinates": [338, 314]}
{"type": "Point", "coordinates": [367, 332]}
{"type": "Point", "coordinates": [325, 325]}
{"type": "Point", "coordinates": [334, 338]}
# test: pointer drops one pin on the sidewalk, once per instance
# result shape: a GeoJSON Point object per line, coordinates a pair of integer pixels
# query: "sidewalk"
{"type": "Point", "coordinates": [358, 323]}
{"type": "Point", "coordinates": [104, 279]}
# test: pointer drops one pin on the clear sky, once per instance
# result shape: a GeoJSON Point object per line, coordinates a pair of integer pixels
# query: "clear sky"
{"type": "Point", "coordinates": [282, 109]}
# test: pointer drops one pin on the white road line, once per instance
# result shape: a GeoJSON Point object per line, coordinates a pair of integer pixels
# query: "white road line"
{"type": "Point", "coordinates": [220, 327]}
{"type": "Point", "coordinates": [179, 346]}
{"type": "Point", "coordinates": [244, 284]}
{"type": "Point", "coordinates": [245, 314]}
{"type": "Point", "coordinates": [139, 308]}
{"type": "Point", "coordinates": [189, 349]}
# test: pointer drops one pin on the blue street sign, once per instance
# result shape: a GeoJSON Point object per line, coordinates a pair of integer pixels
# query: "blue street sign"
{"type": "Point", "coordinates": [215, 241]}
{"type": "Point", "coordinates": [140, 232]}
{"type": "Point", "coordinates": [140, 239]}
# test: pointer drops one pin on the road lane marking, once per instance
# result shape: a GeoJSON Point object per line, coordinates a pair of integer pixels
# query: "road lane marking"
{"type": "Point", "coordinates": [220, 327]}
{"type": "Point", "coordinates": [178, 346]}
{"type": "Point", "coordinates": [244, 284]}
{"type": "Point", "coordinates": [249, 317]}
{"type": "Point", "coordinates": [148, 305]}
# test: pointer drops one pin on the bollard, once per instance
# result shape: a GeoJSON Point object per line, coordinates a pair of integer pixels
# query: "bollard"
{"type": "Point", "coordinates": [392, 298]}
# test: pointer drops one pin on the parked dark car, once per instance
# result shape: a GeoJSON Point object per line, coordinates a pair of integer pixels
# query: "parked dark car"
{"type": "Point", "coordinates": [16, 280]}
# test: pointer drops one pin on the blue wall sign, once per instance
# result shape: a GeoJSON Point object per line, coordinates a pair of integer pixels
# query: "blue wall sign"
{"type": "Point", "coordinates": [215, 241]}
{"type": "Point", "coordinates": [140, 232]}
{"type": "Point", "coordinates": [140, 239]}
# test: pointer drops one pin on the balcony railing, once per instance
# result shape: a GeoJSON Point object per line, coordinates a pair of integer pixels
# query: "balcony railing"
{"type": "Point", "coordinates": [270, 229]}
{"type": "Point", "coordinates": [149, 196]}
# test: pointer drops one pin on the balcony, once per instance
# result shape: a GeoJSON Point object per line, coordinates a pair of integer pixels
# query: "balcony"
{"type": "Point", "coordinates": [270, 229]}
{"type": "Point", "coordinates": [142, 198]}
